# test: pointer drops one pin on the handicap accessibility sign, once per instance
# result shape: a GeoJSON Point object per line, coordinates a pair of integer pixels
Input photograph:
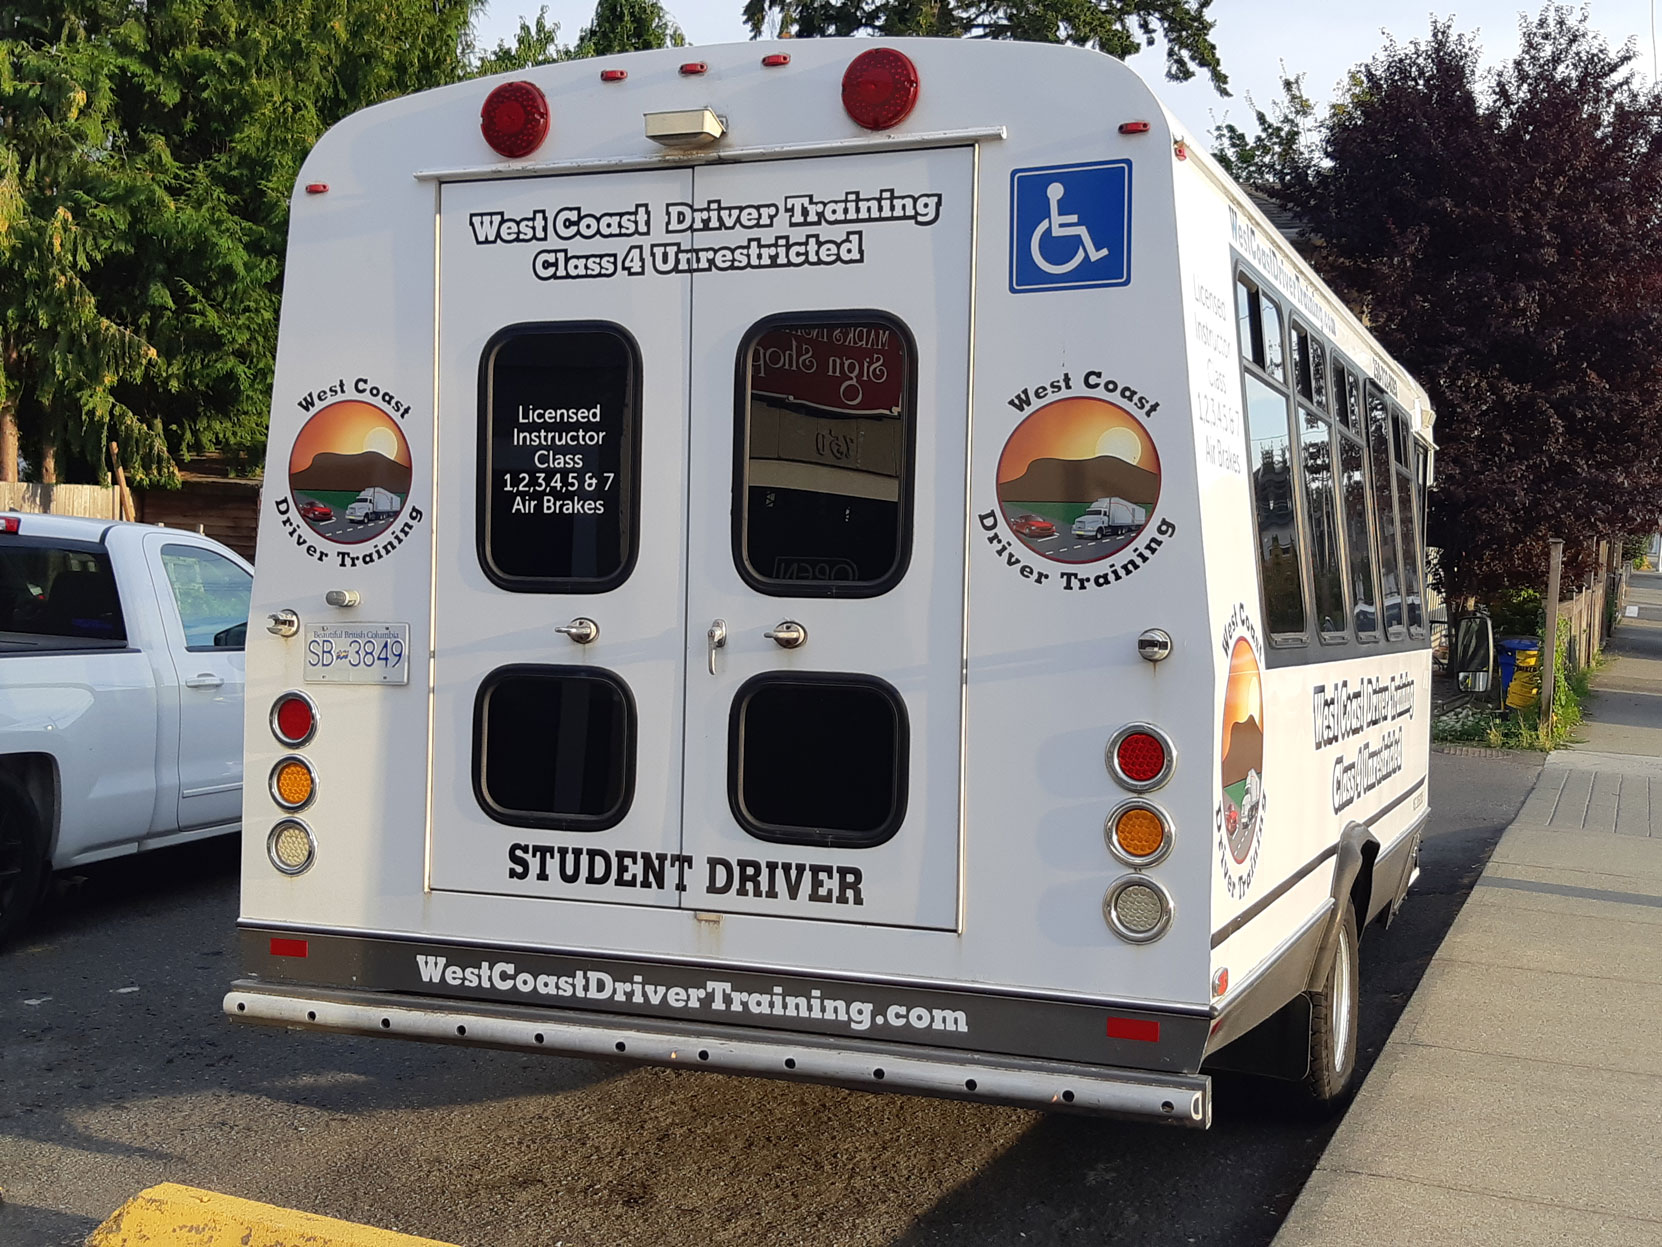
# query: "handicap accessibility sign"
{"type": "Point", "coordinates": [1070, 226]}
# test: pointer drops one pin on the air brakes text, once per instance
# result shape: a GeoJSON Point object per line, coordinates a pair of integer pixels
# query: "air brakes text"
{"type": "Point", "coordinates": [816, 882]}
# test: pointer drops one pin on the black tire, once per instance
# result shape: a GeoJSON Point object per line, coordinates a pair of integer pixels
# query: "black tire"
{"type": "Point", "coordinates": [22, 856]}
{"type": "Point", "coordinates": [1333, 1023]}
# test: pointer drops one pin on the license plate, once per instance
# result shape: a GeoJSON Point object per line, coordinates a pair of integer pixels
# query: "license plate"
{"type": "Point", "coordinates": [366, 653]}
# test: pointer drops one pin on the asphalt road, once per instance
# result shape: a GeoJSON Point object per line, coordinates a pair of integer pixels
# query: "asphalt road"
{"type": "Point", "coordinates": [117, 1071]}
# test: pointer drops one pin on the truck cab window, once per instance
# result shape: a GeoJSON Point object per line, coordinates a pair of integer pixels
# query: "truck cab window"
{"type": "Point", "coordinates": [211, 593]}
{"type": "Point", "coordinates": [58, 596]}
{"type": "Point", "coordinates": [823, 480]}
{"type": "Point", "coordinates": [558, 442]}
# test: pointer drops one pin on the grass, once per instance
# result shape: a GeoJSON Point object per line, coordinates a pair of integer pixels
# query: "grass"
{"type": "Point", "coordinates": [1521, 729]}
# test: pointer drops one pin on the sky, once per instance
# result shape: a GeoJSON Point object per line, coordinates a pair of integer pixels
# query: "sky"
{"type": "Point", "coordinates": [1321, 39]}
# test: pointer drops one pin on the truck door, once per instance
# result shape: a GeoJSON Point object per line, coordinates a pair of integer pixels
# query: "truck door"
{"type": "Point", "coordinates": [829, 419]}
{"type": "Point", "coordinates": [559, 538]}
{"type": "Point", "coordinates": [203, 598]}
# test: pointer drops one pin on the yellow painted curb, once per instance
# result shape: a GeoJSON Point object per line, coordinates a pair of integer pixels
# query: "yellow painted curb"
{"type": "Point", "coordinates": [170, 1215]}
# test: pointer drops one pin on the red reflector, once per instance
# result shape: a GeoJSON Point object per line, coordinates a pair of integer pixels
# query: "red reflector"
{"type": "Point", "coordinates": [293, 721]}
{"type": "Point", "coordinates": [775, 59]}
{"type": "Point", "coordinates": [880, 88]}
{"type": "Point", "coordinates": [514, 119]}
{"type": "Point", "coordinates": [1133, 127]}
{"type": "Point", "coordinates": [297, 948]}
{"type": "Point", "coordinates": [693, 68]}
{"type": "Point", "coordinates": [1141, 1029]}
{"type": "Point", "coordinates": [1141, 757]}
{"type": "Point", "coordinates": [613, 75]}
{"type": "Point", "coordinates": [9, 523]}
{"type": "Point", "coordinates": [317, 188]}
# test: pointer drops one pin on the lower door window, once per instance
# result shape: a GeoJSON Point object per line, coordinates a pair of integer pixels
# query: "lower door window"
{"type": "Point", "coordinates": [818, 759]}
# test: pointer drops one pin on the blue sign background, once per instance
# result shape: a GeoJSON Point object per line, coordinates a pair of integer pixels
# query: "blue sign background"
{"type": "Point", "coordinates": [1084, 240]}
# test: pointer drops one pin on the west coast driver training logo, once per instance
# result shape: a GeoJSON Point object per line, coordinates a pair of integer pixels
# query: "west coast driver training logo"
{"type": "Point", "coordinates": [349, 472]}
{"type": "Point", "coordinates": [1078, 480]}
{"type": "Point", "coordinates": [1240, 815]}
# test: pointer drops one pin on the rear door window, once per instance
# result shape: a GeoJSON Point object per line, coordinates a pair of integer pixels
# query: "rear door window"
{"type": "Point", "coordinates": [211, 593]}
{"type": "Point", "coordinates": [824, 472]}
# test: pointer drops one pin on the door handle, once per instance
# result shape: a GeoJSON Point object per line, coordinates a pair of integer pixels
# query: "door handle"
{"type": "Point", "coordinates": [582, 630]}
{"type": "Point", "coordinates": [787, 635]}
{"type": "Point", "coordinates": [716, 637]}
{"type": "Point", "coordinates": [206, 680]}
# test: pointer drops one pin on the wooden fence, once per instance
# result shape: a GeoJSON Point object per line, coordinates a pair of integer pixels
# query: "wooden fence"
{"type": "Point", "coordinates": [98, 501]}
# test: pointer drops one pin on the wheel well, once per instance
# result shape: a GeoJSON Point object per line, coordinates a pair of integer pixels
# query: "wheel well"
{"type": "Point", "coordinates": [1361, 890]}
{"type": "Point", "coordinates": [37, 775]}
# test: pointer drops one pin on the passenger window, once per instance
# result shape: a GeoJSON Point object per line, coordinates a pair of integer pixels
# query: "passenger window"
{"type": "Point", "coordinates": [1270, 460]}
{"type": "Point", "coordinates": [1358, 542]}
{"type": "Point", "coordinates": [818, 759]}
{"type": "Point", "coordinates": [1412, 559]}
{"type": "Point", "coordinates": [1309, 367]}
{"type": "Point", "coordinates": [559, 436]}
{"type": "Point", "coordinates": [58, 597]}
{"type": "Point", "coordinates": [823, 481]}
{"type": "Point", "coordinates": [554, 747]}
{"type": "Point", "coordinates": [211, 593]}
{"type": "Point", "coordinates": [1379, 454]}
{"type": "Point", "coordinates": [1322, 508]}
{"type": "Point", "coordinates": [1347, 398]}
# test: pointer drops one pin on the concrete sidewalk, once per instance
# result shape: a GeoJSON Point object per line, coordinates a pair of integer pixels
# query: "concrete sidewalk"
{"type": "Point", "coordinates": [1519, 1099]}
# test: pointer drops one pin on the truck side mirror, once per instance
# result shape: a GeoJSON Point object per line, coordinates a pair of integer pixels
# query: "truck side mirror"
{"type": "Point", "coordinates": [1473, 656]}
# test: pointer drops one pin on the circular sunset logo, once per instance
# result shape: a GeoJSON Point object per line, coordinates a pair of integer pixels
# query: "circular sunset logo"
{"type": "Point", "coordinates": [1243, 752]}
{"type": "Point", "coordinates": [349, 472]}
{"type": "Point", "coordinates": [1078, 480]}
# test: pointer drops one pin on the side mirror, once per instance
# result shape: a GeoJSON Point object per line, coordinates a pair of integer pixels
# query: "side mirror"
{"type": "Point", "coordinates": [1473, 657]}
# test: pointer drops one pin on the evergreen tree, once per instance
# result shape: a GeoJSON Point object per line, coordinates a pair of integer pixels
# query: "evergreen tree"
{"type": "Point", "coordinates": [1117, 27]}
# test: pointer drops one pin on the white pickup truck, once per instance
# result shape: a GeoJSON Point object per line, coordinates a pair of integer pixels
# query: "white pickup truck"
{"type": "Point", "coordinates": [121, 685]}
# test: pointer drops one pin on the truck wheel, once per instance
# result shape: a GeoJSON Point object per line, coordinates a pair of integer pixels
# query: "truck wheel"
{"type": "Point", "coordinates": [1333, 1018]}
{"type": "Point", "coordinates": [22, 856]}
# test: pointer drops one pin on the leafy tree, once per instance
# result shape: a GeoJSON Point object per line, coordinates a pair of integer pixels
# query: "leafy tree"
{"type": "Point", "coordinates": [1503, 238]}
{"type": "Point", "coordinates": [1277, 158]}
{"type": "Point", "coordinates": [628, 26]}
{"type": "Point", "coordinates": [1117, 27]}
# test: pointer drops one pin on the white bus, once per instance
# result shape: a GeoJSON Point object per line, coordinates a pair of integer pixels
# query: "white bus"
{"type": "Point", "coordinates": [731, 686]}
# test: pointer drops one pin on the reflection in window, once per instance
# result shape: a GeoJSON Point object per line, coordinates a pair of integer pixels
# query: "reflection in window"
{"type": "Point", "coordinates": [1309, 367]}
{"type": "Point", "coordinates": [1347, 398]}
{"type": "Point", "coordinates": [1272, 490]}
{"type": "Point", "coordinates": [211, 593]}
{"type": "Point", "coordinates": [1322, 506]}
{"type": "Point", "coordinates": [1379, 453]}
{"type": "Point", "coordinates": [1411, 546]}
{"type": "Point", "coordinates": [825, 480]}
{"type": "Point", "coordinates": [1358, 544]}
{"type": "Point", "coordinates": [64, 593]}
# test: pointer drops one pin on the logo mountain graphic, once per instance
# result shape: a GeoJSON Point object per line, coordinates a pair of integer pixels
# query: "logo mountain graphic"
{"type": "Point", "coordinates": [1243, 751]}
{"type": "Point", "coordinates": [329, 470]}
{"type": "Point", "coordinates": [1081, 480]}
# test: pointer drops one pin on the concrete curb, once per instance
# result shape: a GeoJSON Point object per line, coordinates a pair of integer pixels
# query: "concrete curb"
{"type": "Point", "coordinates": [170, 1215]}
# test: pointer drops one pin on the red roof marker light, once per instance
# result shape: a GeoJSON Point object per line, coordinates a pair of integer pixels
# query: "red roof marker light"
{"type": "Point", "coordinates": [613, 75]}
{"type": "Point", "coordinates": [880, 88]}
{"type": "Point", "coordinates": [1134, 127]}
{"type": "Point", "coordinates": [773, 60]}
{"type": "Point", "coordinates": [317, 188]}
{"type": "Point", "coordinates": [514, 119]}
{"type": "Point", "coordinates": [693, 68]}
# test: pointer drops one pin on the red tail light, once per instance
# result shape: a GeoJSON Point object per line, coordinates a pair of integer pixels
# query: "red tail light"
{"type": "Point", "coordinates": [514, 119]}
{"type": "Point", "coordinates": [1141, 757]}
{"type": "Point", "coordinates": [293, 719]}
{"type": "Point", "coordinates": [288, 948]}
{"type": "Point", "coordinates": [880, 88]}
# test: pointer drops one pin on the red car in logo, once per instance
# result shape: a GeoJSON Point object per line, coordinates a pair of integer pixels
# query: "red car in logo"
{"type": "Point", "coordinates": [1028, 525]}
{"type": "Point", "coordinates": [316, 512]}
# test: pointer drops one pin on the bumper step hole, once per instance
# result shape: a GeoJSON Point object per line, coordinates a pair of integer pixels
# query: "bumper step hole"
{"type": "Point", "coordinates": [386, 1024]}
{"type": "Point", "coordinates": [877, 1074]}
{"type": "Point", "coordinates": [790, 1062]}
{"type": "Point", "coordinates": [621, 1046]}
{"type": "Point", "coordinates": [1067, 1097]}
{"type": "Point", "coordinates": [461, 1030]}
{"type": "Point", "coordinates": [1166, 1107]}
{"type": "Point", "coordinates": [311, 1015]}
{"type": "Point", "coordinates": [969, 1084]}
{"type": "Point", "coordinates": [241, 1007]}
{"type": "Point", "coordinates": [537, 1036]}
{"type": "Point", "coordinates": [703, 1056]}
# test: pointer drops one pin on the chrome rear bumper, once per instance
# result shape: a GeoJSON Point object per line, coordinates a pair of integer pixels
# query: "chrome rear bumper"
{"type": "Point", "coordinates": [1185, 1099]}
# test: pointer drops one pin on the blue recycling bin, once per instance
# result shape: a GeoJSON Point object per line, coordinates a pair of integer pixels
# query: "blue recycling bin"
{"type": "Point", "coordinates": [1509, 649]}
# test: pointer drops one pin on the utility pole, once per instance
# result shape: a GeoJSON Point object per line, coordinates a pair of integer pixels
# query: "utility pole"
{"type": "Point", "coordinates": [1549, 642]}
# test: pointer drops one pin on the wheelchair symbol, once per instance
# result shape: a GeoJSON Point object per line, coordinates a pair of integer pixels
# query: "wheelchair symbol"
{"type": "Point", "coordinates": [1063, 225]}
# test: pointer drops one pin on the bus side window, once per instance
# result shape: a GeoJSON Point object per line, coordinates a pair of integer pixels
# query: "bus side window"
{"type": "Point", "coordinates": [1309, 367]}
{"type": "Point", "coordinates": [1322, 512]}
{"type": "Point", "coordinates": [1353, 483]}
{"type": "Point", "coordinates": [1270, 460]}
{"type": "Point", "coordinates": [823, 482]}
{"type": "Point", "coordinates": [1385, 515]}
{"type": "Point", "coordinates": [1413, 561]}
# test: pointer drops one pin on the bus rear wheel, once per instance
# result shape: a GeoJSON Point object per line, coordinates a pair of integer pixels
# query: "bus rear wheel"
{"type": "Point", "coordinates": [1333, 1023]}
{"type": "Point", "coordinates": [22, 856]}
